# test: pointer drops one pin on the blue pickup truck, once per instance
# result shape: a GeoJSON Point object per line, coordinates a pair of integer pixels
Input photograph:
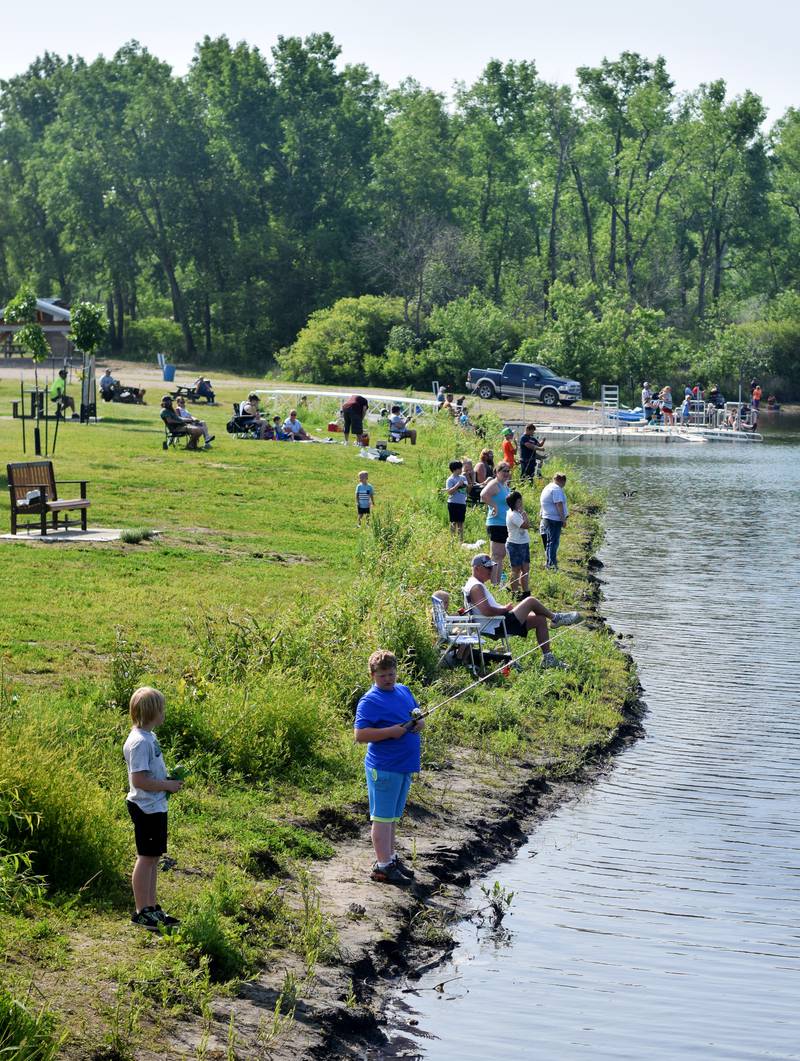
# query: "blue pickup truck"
{"type": "Point", "coordinates": [516, 380]}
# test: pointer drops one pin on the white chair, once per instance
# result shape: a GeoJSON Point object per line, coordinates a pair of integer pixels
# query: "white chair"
{"type": "Point", "coordinates": [456, 631]}
{"type": "Point", "coordinates": [499, 633]}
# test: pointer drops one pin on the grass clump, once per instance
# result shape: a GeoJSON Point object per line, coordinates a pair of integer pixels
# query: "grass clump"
{"type": "Point", "coordinates": [72, 833]}
{"type": "Point", "coordinates": [136, 535]}
{"type": "Point", "coordinates": [26, 1035]}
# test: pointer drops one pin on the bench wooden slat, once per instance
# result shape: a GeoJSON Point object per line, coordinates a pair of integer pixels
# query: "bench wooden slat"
{"type": "Point", "coordinates": [58, 506]}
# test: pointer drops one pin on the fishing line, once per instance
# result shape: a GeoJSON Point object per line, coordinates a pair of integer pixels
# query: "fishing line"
{"type": "Point", "coordinates": [503, 667]}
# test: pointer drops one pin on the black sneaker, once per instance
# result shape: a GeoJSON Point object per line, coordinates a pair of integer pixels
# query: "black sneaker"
{"type": "Point", "coordinates": [166, 919]}
{"type": "Point", "coordinates": [407, 871]}
{"type": "Point", "coordinates": [389, 874]}
{"type": "Point", "coordinates": [147, 918]}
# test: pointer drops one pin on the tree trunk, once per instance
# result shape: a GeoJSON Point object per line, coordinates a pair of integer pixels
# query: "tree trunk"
{"type": "Point", "coordinates": [207, 323]}
{"type": "Point", "coordinates": [587, 221]}
{"type": "Point", "coordinates": [612, 250]}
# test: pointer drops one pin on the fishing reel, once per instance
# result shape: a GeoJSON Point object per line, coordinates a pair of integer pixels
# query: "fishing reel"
{"type": "Point", "coordinates": [417, 715]}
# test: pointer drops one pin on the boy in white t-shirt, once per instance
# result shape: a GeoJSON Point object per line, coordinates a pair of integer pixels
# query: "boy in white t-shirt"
{"type": "Point", "coordinates": [518, 545]}
{"type": "Point", "coordinates": [148, 785]}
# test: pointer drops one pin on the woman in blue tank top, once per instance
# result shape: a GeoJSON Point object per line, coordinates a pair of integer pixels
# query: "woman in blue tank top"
{"type": "Point", "coordinates": [495, 496]}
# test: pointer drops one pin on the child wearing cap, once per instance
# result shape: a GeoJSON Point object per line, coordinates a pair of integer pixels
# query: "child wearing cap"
{"type": "Point", "coordinates": [509, 448]}
{"type": "Point", "coordinates": [385, 721]}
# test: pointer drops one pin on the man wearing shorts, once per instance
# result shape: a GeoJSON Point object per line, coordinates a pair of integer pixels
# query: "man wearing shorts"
{"type": "Point", "coordinates": [353, 412]}
{"type": "Point", "coordinates": [529, 614]}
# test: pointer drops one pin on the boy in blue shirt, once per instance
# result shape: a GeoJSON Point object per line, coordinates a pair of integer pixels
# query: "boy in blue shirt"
{"type": "Point", "coordinates": [386, 722]}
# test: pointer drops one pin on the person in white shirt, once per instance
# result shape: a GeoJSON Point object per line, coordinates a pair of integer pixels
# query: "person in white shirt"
{"type": "Point", "coordinates": [553, 514]}
{"type": "Point", "coordinates": [294, 427]}
{"type": "Point", "coordinates": [184, 414]}
{"type": "Point", "coordinates": [518, 544]}
{"type": "Point", "coordinates": [528, 614]}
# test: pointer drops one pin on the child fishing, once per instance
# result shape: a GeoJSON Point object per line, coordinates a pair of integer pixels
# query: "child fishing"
{"type": "Point", "coordinates": [387, 721]}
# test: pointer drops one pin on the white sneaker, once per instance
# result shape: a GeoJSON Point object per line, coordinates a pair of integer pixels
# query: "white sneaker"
{"type": "Point", "coordinates": [565, 618]}
{"type": "Point", "coordinates": [549, 660]}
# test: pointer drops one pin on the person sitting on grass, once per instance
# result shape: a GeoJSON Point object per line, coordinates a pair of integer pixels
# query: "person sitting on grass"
{"type": "Point", "coordinates": [146, 801]}
{"type": "Point", "coordinates": [456, 490]}
{"type": "Point", "coordinates": [528, 614]}
{"type": "Point", "coordinates": [278, 431]}
{"type": "Point", "coordinates": [365, 497]}
{"type": "Point", "coordinates": [398, 426]}
{"type": "Point", "coordinates": [59, 396]}
{"type": "Point", "coordinates": [186, 416]}
{"type": "Point", "coordinates": [293, 426]}
{"type": "Point", "coordinates": [386, 722]}
{"type": "Point", "coordinates": [178, 426]}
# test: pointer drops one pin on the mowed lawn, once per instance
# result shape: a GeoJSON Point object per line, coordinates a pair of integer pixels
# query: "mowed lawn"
{"type": "Point", "coordinates": [262, 526]}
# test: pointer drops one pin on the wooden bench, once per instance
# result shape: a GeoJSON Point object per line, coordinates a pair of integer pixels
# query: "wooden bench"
{"type": "Point", "coordinates": [34, 492]}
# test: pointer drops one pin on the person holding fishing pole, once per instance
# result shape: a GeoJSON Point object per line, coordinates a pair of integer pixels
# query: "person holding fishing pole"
{"type": "Point", "coordinates": [387, 720]}
{"type": "Point", "coordinates": [528, 614]}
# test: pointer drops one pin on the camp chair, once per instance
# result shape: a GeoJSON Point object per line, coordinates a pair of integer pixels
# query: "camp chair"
{"type": "Point", "coordinates": [456, 631]}
{"type": "Point", "coordinates": [173, 435]}
{"type": "Point", "coordinates": [482, 621]}
{"type": "Point", "coordinates": [241, 426]}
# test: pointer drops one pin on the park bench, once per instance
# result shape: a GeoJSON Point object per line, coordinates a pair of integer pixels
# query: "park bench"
{"type": "Point", "coordinates": [34, 492]}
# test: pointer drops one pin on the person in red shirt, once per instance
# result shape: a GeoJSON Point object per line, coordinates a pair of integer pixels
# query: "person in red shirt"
{"type": "Point", "coordinates": [353, 412]}
{"type": "Point", "coordinates": [509, 448]}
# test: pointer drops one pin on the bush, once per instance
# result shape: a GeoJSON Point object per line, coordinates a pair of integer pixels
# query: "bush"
{"type": "Point", "coordinates": [335, 341]}
{"type": "Point", "coordinates": [150, 335]}
{"type": "Point", "coordinates": [471, 332]}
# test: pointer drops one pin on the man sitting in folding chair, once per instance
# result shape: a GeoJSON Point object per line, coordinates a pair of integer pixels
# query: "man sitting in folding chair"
{"type": "Point", "coordinates": [512, 620]}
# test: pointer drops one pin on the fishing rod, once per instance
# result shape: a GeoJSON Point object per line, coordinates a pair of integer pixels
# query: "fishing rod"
{"type": "Point", "coordinates": [418, 714]}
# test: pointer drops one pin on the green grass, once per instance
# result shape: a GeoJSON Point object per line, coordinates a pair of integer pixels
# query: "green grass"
{"type": "Point", "coordinates": [254, 607]}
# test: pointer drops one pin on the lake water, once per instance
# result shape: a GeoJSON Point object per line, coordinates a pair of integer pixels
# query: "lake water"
{"type": "Point", "coordinates": [658, 915]}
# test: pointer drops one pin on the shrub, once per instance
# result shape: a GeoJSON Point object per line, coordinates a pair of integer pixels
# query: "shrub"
{"type": "Point", "coordinates": [150, 335]}
{"type": "Point", "coordinates": [335, 341]}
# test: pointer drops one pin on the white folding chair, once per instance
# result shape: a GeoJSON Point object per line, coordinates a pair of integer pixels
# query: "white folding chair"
{"type": "Point", "coordinates": [456, 631]}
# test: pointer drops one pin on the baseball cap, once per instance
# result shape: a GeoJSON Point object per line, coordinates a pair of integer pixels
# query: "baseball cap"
{"type": "Point", "coordinates": [482, 560]}
{"type": "Point", "coordinates": [508, 431]}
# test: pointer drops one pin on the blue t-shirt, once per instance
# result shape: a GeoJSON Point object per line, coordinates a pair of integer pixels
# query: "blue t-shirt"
{"type": "Point", "coordinates": [499, 500]}
{"type": "Point", "coordinates": [380, 709]}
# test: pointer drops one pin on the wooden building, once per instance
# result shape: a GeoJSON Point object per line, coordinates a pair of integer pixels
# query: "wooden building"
{"type": "Point", "coordinates": [53, 316]}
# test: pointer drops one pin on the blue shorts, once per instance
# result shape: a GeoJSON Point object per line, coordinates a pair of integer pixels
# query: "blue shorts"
{"type": "Point", "coordinates": [518, 554]}
{"type": "Point", "coordinates": [388, 792]}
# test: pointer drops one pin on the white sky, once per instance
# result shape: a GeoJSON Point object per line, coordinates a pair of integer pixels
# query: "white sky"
{"type": "Point", "coordinates": [441, 41]}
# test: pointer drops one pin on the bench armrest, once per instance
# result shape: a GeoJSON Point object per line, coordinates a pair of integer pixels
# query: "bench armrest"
{"type": "Point", "coordinates": [75, 482]}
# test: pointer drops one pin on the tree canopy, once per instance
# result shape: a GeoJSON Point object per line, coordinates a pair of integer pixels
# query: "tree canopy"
{"type": "Point", "coordinates": [606, 227]}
